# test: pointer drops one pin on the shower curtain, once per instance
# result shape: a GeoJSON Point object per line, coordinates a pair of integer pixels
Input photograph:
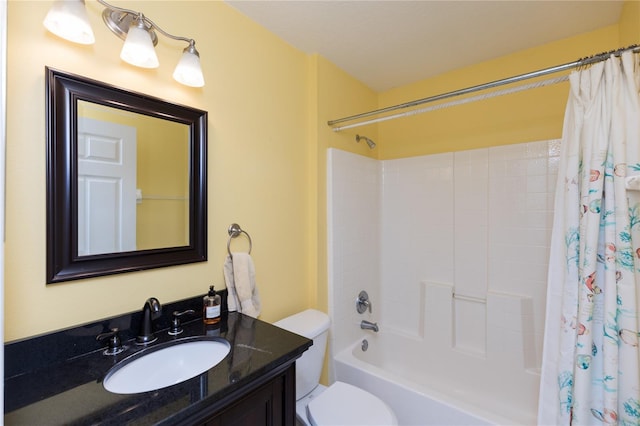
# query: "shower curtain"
{"type": "Point", "coordinates": [590, 366]}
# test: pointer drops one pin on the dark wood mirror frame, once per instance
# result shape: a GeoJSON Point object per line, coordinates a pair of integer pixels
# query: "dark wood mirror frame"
{"type": "Point", "coordinates": [63, 91]}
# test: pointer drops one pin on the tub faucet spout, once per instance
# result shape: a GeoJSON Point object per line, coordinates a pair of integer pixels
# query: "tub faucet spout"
{"type": "Point", "coordinates": [367, 325]}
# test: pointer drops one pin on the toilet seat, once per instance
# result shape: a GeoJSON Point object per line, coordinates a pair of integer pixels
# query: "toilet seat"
{"type": "Point", "coordinates": [344, 404]}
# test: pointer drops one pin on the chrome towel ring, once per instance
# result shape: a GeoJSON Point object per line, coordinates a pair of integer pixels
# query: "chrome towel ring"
{"type": "Point", "coordinates": [234, 231]}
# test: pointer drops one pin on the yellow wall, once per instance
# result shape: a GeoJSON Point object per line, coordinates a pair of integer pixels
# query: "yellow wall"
{"type": "Point", "coordinates": [334, 93]}
{"type": "Point", "coordinates": [531, 115]}
{"type": "Point", "coordinates": [630, 23]}
{"type": "Point", "coordinates": [256, 94]}
{"type": "Point", "coordinates": [268, 106]}
{"type": "Point", "coordinates": [163, 178]}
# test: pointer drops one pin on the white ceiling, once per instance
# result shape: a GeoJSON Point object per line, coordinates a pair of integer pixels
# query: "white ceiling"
{"type": "Point", "coordinates": [386, 44]}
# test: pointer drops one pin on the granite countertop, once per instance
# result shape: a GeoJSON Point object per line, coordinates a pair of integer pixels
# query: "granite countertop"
{"type": "Point", "coordinates": [70, 392]}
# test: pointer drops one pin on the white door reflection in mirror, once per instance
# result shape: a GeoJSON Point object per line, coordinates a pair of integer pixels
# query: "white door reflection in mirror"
{"type": "Point", "coordinates": [106, 187]}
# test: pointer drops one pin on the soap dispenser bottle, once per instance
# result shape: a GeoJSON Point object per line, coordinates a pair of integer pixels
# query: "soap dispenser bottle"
{"type": "Point", "coordinates": [211, 307]}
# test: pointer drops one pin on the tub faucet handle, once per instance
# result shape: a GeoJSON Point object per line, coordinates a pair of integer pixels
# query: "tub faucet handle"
{"type": "Point", "coordinates": [363, 303]}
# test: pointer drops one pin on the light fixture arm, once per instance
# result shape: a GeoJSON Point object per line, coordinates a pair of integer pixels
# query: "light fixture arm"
{"type": "Point", "coordinates": [120, 24]}
{"type": "Point", "coordinates": [119, 9]}
{"type": "Point", "coordinates": [166, 34]}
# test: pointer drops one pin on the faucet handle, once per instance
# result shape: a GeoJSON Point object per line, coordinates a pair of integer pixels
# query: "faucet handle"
{"type": "Point", "coordinates": [115, 344]}
{"type": "Point", "coordinates": [175, 321]}
{"type": "Point", "coordinates": [363, 303]}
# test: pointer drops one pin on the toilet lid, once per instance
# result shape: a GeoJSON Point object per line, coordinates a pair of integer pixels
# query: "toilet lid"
{"type": "Point", "coordinates": [344, 404]}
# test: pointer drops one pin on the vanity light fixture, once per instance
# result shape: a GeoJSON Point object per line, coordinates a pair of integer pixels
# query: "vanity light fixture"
{"type": "Point", "coordinates": [68, 19]}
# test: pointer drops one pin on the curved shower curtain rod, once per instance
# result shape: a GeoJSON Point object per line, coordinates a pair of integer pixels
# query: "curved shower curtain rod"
{"type": "Point", "coordinates": [579, 63]}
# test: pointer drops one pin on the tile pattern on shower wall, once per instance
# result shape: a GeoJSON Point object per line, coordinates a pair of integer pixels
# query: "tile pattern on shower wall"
{"type": "Point", "coordinates": [521, 193]}
{"type": "Point", "coordinates": [500, 200]}
{"type": "Point", "coordinates": [353, 198]}
{"type": "Point", "coordinates": [471, 181]}
{"type": "Point", "coordinates": [417, 226]}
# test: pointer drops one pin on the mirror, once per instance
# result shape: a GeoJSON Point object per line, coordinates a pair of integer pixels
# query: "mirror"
{"type": "Point", "coordinates": [133, 186]}
{"type": "Point", "coordinates": [126, 180]}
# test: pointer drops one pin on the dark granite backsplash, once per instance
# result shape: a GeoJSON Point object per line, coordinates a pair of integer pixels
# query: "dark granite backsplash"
{"type": "Point", "coordinates": [35, 353]}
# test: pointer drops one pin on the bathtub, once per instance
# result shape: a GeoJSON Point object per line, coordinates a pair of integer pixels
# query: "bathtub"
{"type": "Point", "coordinates": [419, 386]}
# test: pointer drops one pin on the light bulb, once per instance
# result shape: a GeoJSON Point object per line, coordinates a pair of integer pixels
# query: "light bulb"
{"type": "Point", "coordinates": [188, 71]}
{"type": "Point", "coordinates": [68, 19]}
{"type": "Point", "coordinates": [138, 47]}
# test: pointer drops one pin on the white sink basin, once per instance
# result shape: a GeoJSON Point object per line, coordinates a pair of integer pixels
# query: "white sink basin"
{"type": "Point", "coordinates": [156, 369]}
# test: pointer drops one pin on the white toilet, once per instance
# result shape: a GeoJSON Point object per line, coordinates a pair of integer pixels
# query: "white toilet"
{"type": "Point", "coordinates": [339, 404]}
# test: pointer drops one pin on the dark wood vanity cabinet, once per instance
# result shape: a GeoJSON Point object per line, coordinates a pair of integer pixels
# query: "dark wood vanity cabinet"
{"type": "Point", "coordinates": [269, 402]}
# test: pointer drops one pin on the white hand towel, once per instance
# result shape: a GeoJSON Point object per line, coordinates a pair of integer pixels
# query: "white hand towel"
{"type": "Point", "coordinates": [244, 277]}
{"type": "Point", "coordinates": [245, 293]}
{"type": "Point", "coordinates": [232, 297]}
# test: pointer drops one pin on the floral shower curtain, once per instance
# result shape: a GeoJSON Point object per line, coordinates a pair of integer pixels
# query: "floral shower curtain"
{"type": "Point", "coordinates": [590, 367]}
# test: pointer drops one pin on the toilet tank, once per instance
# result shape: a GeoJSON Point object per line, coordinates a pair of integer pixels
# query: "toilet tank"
{"type": "Point", "coordinates": [314, 325]}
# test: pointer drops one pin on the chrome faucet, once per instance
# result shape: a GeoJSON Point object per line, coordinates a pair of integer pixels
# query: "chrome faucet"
{"type": "Point", "coordinates": [150, 311]}
{"type": "Point", "coordinates": [367, 325]}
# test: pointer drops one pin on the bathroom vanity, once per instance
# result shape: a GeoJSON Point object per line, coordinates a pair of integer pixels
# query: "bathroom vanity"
{"type": "Point", "coordinates": [57, 378]}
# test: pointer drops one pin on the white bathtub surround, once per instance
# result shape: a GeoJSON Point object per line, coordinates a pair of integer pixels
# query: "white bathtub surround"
{"type": "Point", "coordinates": [591, 371]}
{"type": "Point", "coordinates": [459, 268]}
{"type": "Point", "coordinates": [355, 239]}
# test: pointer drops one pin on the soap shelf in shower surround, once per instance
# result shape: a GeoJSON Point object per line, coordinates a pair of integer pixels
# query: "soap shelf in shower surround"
{"type": "Point", "coordinates": [498, 328]}
{"type": "Point", "coordinates": [469, 298]}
